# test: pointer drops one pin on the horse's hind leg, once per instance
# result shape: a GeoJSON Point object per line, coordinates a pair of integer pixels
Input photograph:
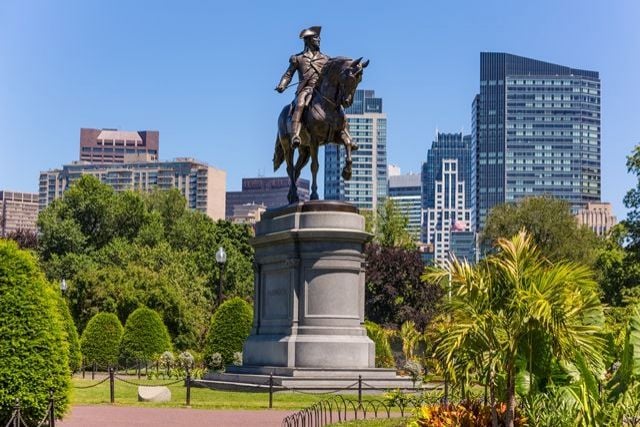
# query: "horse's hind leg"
{"type": "Point", "coordinates": [292, 197]}
{"type": "Point", "coordinates": [303, 159]}
{"type": "Point", "coordinates": [314, 171]}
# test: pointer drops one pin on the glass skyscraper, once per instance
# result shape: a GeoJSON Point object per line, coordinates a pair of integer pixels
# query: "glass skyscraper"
{"type": "Point", "coordinates": [406, 193]}
{"type": "Point", "coordinates": [368, 128]}
{"type": "Point", "coordinates": [445, 196]}
{"type": "Point", "coordinates": [536, 132]}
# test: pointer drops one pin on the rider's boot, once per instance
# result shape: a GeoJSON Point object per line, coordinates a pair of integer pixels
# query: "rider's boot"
{"type": "Point", "coordinates": [295, 130]}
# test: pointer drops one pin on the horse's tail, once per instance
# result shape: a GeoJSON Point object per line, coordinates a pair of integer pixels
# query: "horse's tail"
{"type": "Point", "coordinates": [278, 154]}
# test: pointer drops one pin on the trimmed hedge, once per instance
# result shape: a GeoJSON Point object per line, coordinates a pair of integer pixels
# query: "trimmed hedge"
{"type": "Point", "coordinates": [145, 336]}
{"type": "Point", "coordinates": [71, 335]}
{"type": "Point", "coordinates": [100, 340]}
{"type": "Point", "coordinates": [230, 327]}
{"type": "Point", "coordinates": [384, 355]}
{"type": "Point", "coordinates": [33, 349]}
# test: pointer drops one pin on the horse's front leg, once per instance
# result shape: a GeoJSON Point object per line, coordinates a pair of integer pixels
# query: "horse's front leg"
{"type": "Point", "coordinates": [313, 148]}
{"type": "Point", "coordinates": [345, 138]}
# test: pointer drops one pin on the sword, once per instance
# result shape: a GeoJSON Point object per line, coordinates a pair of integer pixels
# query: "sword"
{"type": "Point", "coordinates": [289, 85]}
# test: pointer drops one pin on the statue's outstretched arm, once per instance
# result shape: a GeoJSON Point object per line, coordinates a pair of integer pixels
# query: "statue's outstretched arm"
{"type": "Point", "coordinates": [288, 75]}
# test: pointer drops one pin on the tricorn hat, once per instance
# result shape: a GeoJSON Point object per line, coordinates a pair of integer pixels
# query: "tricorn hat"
{"type": "Point", "coordinates": [311, 31]}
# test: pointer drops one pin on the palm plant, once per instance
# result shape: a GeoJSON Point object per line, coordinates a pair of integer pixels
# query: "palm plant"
{"type": "Point", "coordinates": [512, 299]}
{"type": "Point", "coordinates": [409, 336]}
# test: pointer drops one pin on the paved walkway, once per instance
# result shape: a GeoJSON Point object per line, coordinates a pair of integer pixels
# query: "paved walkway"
{"type": "Point", "coordinates": [131, 416]}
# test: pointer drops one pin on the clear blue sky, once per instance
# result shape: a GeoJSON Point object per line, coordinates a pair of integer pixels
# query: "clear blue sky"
{"type": "Point", "coordinates": [189, 68]}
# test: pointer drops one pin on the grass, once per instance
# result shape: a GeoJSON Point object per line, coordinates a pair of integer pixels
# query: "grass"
{"type": "Point", "coordinates": [202, 398]}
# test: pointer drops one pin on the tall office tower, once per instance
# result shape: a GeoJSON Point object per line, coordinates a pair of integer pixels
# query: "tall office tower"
{"type": "Point", "coordinates": [18, 211]}
{"type": "Point", "coordinates": [202, 185]}
{"type": "Point", "coordinates": [270, 192]}
{"type": "Point", "coordinates": [598, 217]}
{"type": "Point", "coordinates": [105, 146]}
{"type": "Point", "coordinates": [368, 128]}
{"type": "Point", "coordinates": [406, 193]}
{"type": "Point", "coordinates": [445, 199]}
{"type": "Point", "coordinates": [537, 133]}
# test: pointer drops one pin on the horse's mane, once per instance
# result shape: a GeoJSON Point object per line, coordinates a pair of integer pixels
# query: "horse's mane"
{"type": "Point", "coordinates": [333, 66]}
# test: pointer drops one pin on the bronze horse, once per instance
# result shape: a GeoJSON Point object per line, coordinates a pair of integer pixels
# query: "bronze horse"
{"type": "Point", "coordinates": [323, 121]}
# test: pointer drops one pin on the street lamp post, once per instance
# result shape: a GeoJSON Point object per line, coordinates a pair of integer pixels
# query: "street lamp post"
{"type": "Point", "coordinates": [221, 259]}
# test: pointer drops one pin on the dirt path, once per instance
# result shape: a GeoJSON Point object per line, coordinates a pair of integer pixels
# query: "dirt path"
{"type": "Point", "coordinates": [130, 416]}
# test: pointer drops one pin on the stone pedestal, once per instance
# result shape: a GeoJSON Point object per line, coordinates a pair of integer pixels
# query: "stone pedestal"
{"type": "Point", "coordinates": [309, 299]}
{"type": "Point", "coordinates": [309, 287]}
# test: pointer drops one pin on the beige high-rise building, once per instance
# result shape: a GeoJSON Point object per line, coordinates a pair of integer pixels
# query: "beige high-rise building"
{"type": "Point", "coordinates": [598, 217]}
{"type": "Point", "coordinates": [202, 185]}
{"type": "Point", "coordinates": [18, 211]}
{"type": "Point", "coordinates": [105, 146]}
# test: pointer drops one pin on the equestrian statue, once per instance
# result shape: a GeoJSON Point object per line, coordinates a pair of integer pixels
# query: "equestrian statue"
{"type": "Point", "coordinates": [326, 86]}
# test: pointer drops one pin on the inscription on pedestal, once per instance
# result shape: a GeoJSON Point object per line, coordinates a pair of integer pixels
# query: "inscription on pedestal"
{"type": "Point", "coordinates": [275, 298]}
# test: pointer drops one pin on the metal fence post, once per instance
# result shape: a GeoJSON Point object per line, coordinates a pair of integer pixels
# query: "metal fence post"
{"type": "Point", "coordinates": [93, 373]}
{"type": "Point", "coordinates": [52, 410]}
{"type": "Point", "coordinates": [271, 390]}
{"type": "Point", "coordinates": [83, 369]}
{"type": "Point", "coordinates": [360, 389]}
{"type": "Point", "coordinates": [111, 385]}
{"type": "Point", "coordinates": [188, 387]}
{"type": "Point", "coordinates": [139, 369]}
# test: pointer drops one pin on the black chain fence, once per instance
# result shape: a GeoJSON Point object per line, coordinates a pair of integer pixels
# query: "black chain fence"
{"type": "Point", "coordinates": [18, 420]}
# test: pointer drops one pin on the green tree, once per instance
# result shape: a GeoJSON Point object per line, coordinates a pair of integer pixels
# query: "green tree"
{"type": "Point", "coordinates": [33, 349]}
{"type": "Point", "coordinates": [71, 336]}
{"type": "Point", "coordinates": [230, 327]}
{"type": "Point", "coordinates": [618, 268]}
{"type": "Point", "coordinates": [512, 302]}
{"type": "Point", "coordinates": [89, 203]}
{"type": "Point", "coordinates": [551, 225]}
{"type": "Point", "coordinates": [100, 341]}
{"type": "Point", "coordinates": [145, 336]}
{"type": "Point", "coordinates": [143, 250]}
{"type": "Point", "coordinates": [632, 202]}
{"type": "Point", "coordinates": [380, 337]}
{"type": "Point", "coordinates": [389, 226]}
{"type": "Point", "coordinates": [59, 234]}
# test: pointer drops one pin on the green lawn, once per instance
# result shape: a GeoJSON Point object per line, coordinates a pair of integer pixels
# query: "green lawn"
{"type": "Point", "coordinates": [204, 398]}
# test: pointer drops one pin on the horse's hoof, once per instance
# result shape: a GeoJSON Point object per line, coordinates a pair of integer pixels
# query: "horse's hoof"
{"type": "Point", "coordinates": [314, 196]}
{"type": "Point", "coordinates": [346, 174]}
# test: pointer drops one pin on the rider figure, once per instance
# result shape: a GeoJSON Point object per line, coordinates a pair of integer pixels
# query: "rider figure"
{"type": "Point", "coordinates": [308, 64]}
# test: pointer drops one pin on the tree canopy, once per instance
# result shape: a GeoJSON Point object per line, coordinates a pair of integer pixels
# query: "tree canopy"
{"type": "Point", "coordinates": [120, 251]}
{"type": "Point", "coordinates": [512, 304]}
{"type": "Point", "coordinates": [145, 337]}
{"type": "Point", "coordinates": [100, 340]}
{"type": "Point", "coordinates": [550, 224]}
{"type": "Point", "coordinates": [230, 327]}
{"type": "Point", "coordinates": [394, 293]}
{"type": "Point", "coordinates": [388, 226]}
{"type": "Point", "coordinates": [33, 347]}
